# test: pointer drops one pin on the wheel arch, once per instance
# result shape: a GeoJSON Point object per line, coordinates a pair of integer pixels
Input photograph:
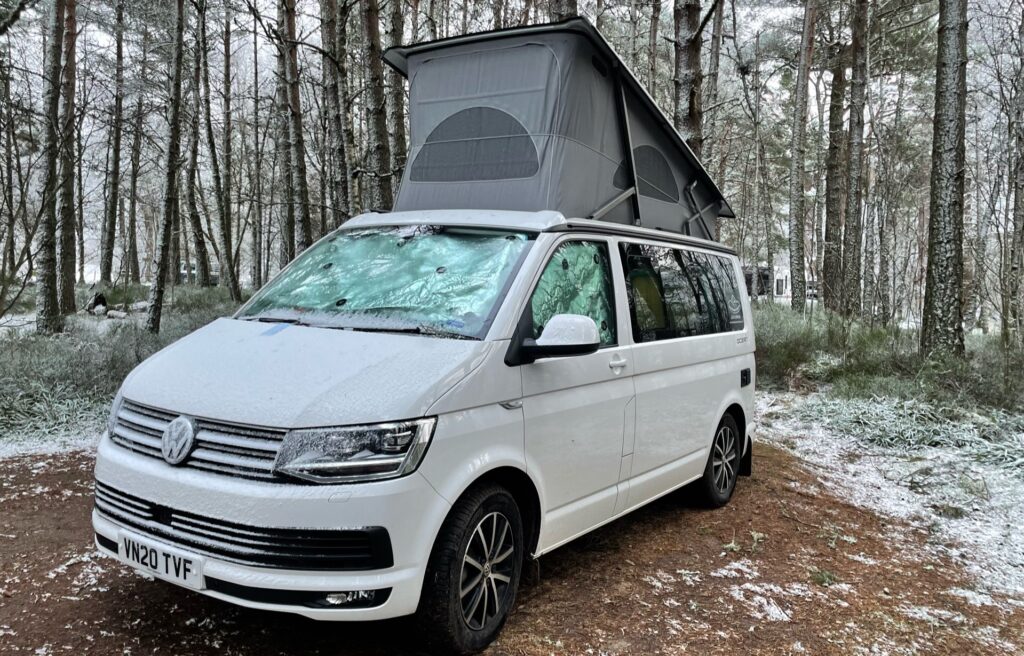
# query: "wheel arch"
{"type": "Point", "coordinates": [735, 410]}
{"type": "Point", "coordinates": [524, 491]}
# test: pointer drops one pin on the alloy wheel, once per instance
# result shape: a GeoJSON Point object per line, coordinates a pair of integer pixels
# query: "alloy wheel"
{"type": "Point", "coordinates": [487, 568]}
{"type": "Point", "coordinates": [724, 459]}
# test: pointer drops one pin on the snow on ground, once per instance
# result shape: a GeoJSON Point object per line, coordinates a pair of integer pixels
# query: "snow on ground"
{"type": "Point", "coordinates": [42, 443]}
{"type": "Point", "coordinates": [972, 506]}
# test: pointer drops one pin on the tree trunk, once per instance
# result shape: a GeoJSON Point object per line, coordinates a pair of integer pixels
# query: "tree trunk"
{"type": "Point", "coordinates": [832, 257]}
{"type": "Point", "coordinates": [652, 48]}
{"type": "Point", "coordinates": [336, 132]}
{"type": "Point", "coordinates": [563, 9]}
{"type": "Point", "coordinates": [136, 155]}
{"type": "Point", "coordinates": [256, 242]}
{"type": "Point", "coordinates": [345, 107]}
{"type": "Point", "coordinates": [227, 268]}
{"type": "Point", "coordinates": [855, 162]}
{"type": "Point", "coordinates": [8, 266]}
{"type": "Point", "coordinates": [396, 97]}
{"type": "Point", "coordinates": [227, 162]}
{"type": "Point", "coordinates": [284, 153]}
{"type": "Point", "coordinates": [381, 194]}
{"type": "Point", "coordinates": [114, 173]}
{"type": "Point", "coordinates": [714, 62]}
{"type": "Point", "coordinates": [48, 316]}
{"type": "Point", "coordinates": [797, 173]}
{"type": "Point", "coordinates": [942, 329]}
{"type": "Point", "coordinates": [67, 227]}
{"type": "Point", "coordinates": [300, 184]}
{"type": "Point", "coordinates": [156, 293]}
{"type": "Point", "coordinates": [687, 78]}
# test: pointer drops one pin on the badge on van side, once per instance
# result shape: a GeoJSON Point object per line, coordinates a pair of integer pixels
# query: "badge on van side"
{"type": "Point", "coordinates": [178, 440]}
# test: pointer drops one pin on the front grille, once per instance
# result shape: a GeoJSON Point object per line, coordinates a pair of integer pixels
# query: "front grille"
{"type": "Point", "coordinates": [244, 451]}
{"type": "Point", "coordinates": [285, 548]}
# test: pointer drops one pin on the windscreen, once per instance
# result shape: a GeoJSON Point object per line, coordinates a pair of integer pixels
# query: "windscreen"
{"type": "Point", "coordinates": [430, 279]}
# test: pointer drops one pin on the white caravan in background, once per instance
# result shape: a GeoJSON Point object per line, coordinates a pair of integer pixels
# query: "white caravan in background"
{"type": "Point", "coordinates": [422, 401]}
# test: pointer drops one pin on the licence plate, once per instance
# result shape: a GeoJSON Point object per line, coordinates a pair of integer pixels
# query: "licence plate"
{"type": "Point", "coordinates": [162, 561]}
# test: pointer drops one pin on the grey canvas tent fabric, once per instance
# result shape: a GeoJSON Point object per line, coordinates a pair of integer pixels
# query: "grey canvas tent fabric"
{"type": "Point", "coordinates": [542, 118]}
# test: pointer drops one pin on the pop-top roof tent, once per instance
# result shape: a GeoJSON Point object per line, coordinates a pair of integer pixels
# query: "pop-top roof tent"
{"type": "Point", "coordinates": [539, 118]}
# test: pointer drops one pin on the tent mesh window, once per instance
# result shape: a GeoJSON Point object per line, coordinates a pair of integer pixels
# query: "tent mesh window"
{"type": "Point", "coordinates": [653, 174]}
{"type": "Point", "coordinates": [479, 143]}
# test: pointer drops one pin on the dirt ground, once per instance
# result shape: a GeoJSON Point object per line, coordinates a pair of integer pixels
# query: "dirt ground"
{"type": "Point", "coordinates": [786, 568]}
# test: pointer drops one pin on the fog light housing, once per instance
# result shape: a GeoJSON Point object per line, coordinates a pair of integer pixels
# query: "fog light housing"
{"type": "Point", "coordinates": [354, 598]}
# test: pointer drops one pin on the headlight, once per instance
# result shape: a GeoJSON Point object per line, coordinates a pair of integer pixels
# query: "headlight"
{"type": "Point", "coordinates": [114, 409]}
{"type": "Point", "coordinates": [355, 453]}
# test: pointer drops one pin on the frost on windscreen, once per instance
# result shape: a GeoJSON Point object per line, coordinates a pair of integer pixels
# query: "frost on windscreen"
{"type": "Point", "coordinates": [576, 280]}
{"type": "Point", "coordinates": [412, 276]}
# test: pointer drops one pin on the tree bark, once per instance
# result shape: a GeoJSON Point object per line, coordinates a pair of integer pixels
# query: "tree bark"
{"type": "Point", "coordinates": [714, 63]}
{"type": "Point", "coordinates": [227, 268]}
{"type": "Point", "coordinates": [942, 330]}
{"type": "Point", "coordinates": [563, 9]}
{"type": "Point", "coordinates": [156, 292]}
{"type": "Point", "coordinates": [381, 190]}
{"type": "Point", "coordinates": [227, 162]}
{"type": "Point", "coordinates": [687, 77]}
{"type": "Point", "coordinates": [48, 316]}
{"type": "Point", "coordinates": [256, 240]}
{"type": "Point", "coordinates": [284, 154]}
{"type": "Point", "coordinates": [67, 226]}
{"type": "Point", "coordinates": [652, 48]}
{"type": "Point", "coordinates": [855, 162]}
{"type": "Point", "coordinates": [114, 173]}
{"type": "Point", "coordinates": [202, 257]}
{"type": "Point", "coordinates": [832, 257]}
{"type": "Point", "coordinates": [396, 96]}
{"type": "Point", "coordinates": [136, 157]}
{"type": "Point", "coordinates": [300, 184]}
{"type": "Point", "coordinates": [336, 131]}
{"type": "Point", "coordinates": [797, 172]}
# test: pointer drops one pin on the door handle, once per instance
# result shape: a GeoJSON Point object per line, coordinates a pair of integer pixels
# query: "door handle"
{"type": "Point", "coordinates": [618, 362]}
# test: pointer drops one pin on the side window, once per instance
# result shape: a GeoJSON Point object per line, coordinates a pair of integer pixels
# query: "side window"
{"type": "Point", "coordinates": [731, 292]}
{"type": "Point", "coordinates": [576, 280]}
{"type": "Point", "coordinates": [663, 298]}
{"type": "Point", "coordinates": [678, 293]}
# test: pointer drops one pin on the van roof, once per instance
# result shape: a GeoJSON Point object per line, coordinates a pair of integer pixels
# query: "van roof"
{"type": "Point", "coordinates": [544, 221]}
{"type": "Point", "coordinates": [546, 117]}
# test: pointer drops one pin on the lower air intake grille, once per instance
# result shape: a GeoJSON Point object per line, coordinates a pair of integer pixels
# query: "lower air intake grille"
{"type": "Point", "coordinates": [283, 548]}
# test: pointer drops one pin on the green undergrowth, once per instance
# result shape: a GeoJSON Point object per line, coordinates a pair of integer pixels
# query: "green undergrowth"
{"type": "Point", "coordinates": [855, 360]}
{"type": "Point", "coordinates": [64, 383]}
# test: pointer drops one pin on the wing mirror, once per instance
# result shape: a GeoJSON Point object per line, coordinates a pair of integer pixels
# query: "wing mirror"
{"type": "Point", "coordinates": [564, 335]}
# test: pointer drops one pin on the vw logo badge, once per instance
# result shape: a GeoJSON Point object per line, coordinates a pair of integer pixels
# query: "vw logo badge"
{"type": "Point", "coordinates": [178, 439]}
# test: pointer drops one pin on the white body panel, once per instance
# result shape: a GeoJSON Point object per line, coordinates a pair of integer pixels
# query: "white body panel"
{"type": "Point", "coordinates": [596, 435]}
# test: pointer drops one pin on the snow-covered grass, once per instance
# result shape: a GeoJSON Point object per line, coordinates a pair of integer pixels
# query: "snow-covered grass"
{"type": "Point", "coordinates": [955, 473]}
{"type": "Point", "coordinates": [55, 391]}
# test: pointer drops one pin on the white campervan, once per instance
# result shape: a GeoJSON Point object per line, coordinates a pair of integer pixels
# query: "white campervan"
{"type": "Point", "coordinates": [422, 401]}
{"type": "Point", "coordinates": [425, 399]}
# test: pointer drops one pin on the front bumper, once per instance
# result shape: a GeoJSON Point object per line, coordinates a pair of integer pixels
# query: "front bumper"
{"type": "Point", "coordinates": [408, 508]}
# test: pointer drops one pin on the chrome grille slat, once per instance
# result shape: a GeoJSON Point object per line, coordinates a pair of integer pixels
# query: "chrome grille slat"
{"type": "Point", "coordinates": [231, 459]}
{"type": "Point", "coordinates": [142, 420]}
{"type": "Point", "coordinates": [224, 448]}
{"type": "Point", "coordinates": [206, 435]}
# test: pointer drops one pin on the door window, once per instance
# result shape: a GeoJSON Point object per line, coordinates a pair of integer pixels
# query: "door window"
{"type": "Point", "coordinates": [576, 280]}
{"type": "Point", "coordinates": [679, 293]}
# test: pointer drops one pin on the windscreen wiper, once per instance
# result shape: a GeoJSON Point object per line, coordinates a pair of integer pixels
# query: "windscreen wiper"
{"type": "Point", "coordinates": [409, 330]}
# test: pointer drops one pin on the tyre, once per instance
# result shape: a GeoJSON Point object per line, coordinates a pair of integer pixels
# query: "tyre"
{"type": "Point", "coordinates": [719, 480]}
{"type": "Point", "coordinates": [473, 573]}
